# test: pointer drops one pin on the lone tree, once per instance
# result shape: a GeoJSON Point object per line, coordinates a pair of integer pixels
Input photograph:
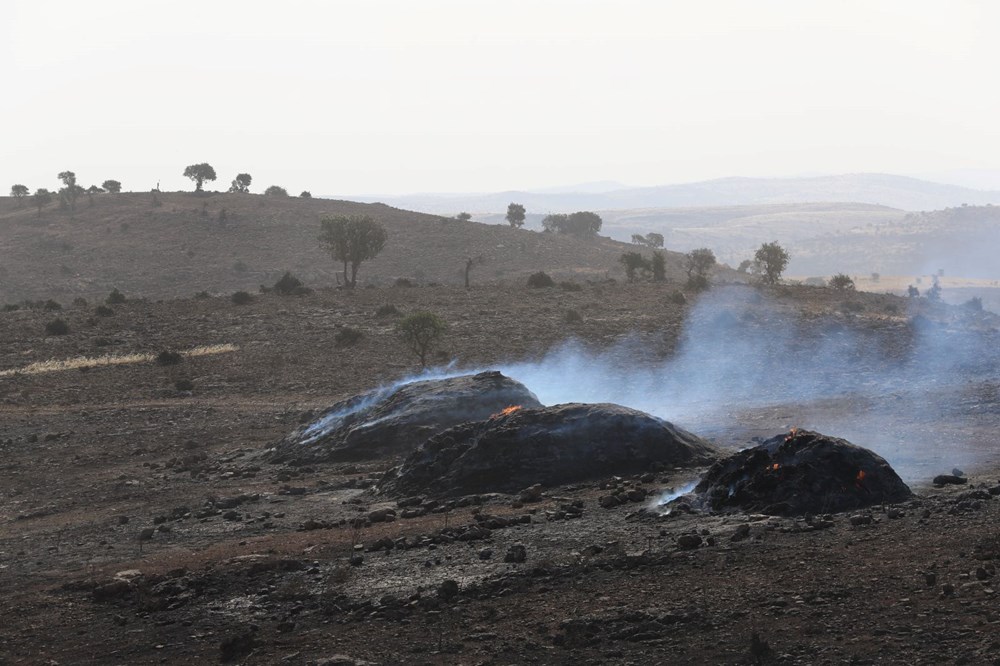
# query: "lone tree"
{"type": "Point", "coordinates": [697, 263]}
{"type": "Point", "coordinates": [112, 186]}
{"type": "Point", "coordinates": [515, 215]}
{"type": "Point", "coordinates": [199, 173]}
{"type": "Point", "coordinates": [352, 239]}
{"type": "Point", "coordinates": [241, 184]}
{"type": "Point", "coordinates": [463, 216]}
{"type": "Point", "coordinates": [276, 191]}
{"type": "Point", "coordinates": [420, 331]}
{"type": "Point", "coordinates": [772, 259]}
{"type": "Point", "coordinates": [42, 197]}
{"type": "Point", "coordinates": [842, 282]}
{"type": "Point", "coordinates": [19, 192]}
{"type": "Point", "coordinates": [70, 190]}
{"type": "Point", "coordinates": [306, 194]}
{"type": "Point", "coordinates": [634, 263]}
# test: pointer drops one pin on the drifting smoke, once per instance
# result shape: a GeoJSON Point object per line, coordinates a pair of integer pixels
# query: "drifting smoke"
{"type": "Point", "coordinates": [740, 355]}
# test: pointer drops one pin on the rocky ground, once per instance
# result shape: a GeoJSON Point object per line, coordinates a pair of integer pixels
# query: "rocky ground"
{"type": "Point", "coordinates": [141, 524]}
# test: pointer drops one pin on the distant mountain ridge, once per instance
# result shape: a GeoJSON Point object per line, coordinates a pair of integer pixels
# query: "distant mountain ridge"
{"type": "Point", "coordinates": [901, 192]}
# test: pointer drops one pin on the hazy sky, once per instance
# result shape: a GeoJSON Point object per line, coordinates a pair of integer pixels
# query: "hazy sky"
{"type": "Point", "coordinates": [395, 96]}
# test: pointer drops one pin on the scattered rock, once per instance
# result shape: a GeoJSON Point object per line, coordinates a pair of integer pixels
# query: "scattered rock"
{"type": "Point", "coordinates": [942, 480]}
{"type": "Point", "coordinates": [517, 554]}
{"type": "Point", "coordinates": [688, 541]}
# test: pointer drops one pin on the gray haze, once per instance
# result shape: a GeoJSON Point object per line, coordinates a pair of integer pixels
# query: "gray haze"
{"type": "Point", "coordinates": [394, 96]}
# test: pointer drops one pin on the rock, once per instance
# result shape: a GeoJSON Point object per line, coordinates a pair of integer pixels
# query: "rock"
{"type": "Point", "coordinates": [930, 578]}
{"type": "Point", "coordinates": [740, 533]}
{"type": "Point", "coordinates": [516, 554]}
{"type": "Point", "coordinates": [385, 543]}
{"type": "Point", "coordinates": [146, 533]}
{"type": "Point", "coordinates": [340, 660]}
{"type": "Point", "coordinates": [531, 494]}
{"type": "Point", "coordinates": [357, 559]}
{"type": "Point", "coordinates": [549, 446]}
{"type": "Point", "coordinates": [801, 473]}
{"type": "Point", "coordinates": [485, 553]}
{"type": "Point", "coordinates": [115, 589]}
{"type": "Point", "coordinates": [688, 541]}
{"type": "Point", "coordinates": [636, 495]}
{"type": "Point", "coordinates": [382, 516]}
{"type": "Point", "coordinates": [448, 589]}
{"type": "Point", "coordinates": [236, 646]}
{"type": "Point", "coordinates": [949, 479]}
{"type": "Point", "coordinates": [609, 501]}
{"type": "Point", "coordinates": [397, 419]}
{"type": "Point", "coordinates": [860, 519]}
{"type": "Point", "coordinates": [957, 472]}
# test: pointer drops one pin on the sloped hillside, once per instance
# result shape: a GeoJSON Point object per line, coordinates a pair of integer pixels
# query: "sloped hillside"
{"type": "Point", "coordinates": [183, 245]}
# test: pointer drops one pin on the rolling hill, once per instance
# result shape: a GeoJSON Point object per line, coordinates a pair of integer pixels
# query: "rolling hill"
{"type": "Point", "coordinates": [181, 247]}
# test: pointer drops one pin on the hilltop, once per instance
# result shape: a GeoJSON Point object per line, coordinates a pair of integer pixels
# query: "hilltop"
{"type": "Point", "coordinates": [182, 246]}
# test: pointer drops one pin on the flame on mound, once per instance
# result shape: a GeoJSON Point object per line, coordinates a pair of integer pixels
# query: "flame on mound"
{"type": "Point", "coordinates": [506, 411]}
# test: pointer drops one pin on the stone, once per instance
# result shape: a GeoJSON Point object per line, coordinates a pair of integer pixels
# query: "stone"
{"type": "Point", "coordinates": [531, 493]}
{"type": "Point", "coordinates": [516, 554]}
{"type": "Point", "coordinates": [740, 533]}
{"type": "Point", "coordinates": [486, 553]}
{"type": "Point", "coordinates": [688, 541]}
{"type": "Point", "coordinates": [448, 589]}
{"type": "Point", "coordinates": [949, 479]}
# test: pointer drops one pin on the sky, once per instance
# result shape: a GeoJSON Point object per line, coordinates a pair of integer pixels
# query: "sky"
{"type": "Point", "coordinates": [403, 96]}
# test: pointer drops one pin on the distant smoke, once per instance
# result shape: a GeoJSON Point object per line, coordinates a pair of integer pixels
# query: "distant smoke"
{"type": "Point", "coordinates": [743, 364]}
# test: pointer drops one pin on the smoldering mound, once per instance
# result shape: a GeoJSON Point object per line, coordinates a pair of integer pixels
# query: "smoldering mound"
{"type": "Point", "coordinates": [393, 421]}
{"type": "Point", "coordinates": [799, 473]}
{"type": "Point", "coordinates": [552, 446]}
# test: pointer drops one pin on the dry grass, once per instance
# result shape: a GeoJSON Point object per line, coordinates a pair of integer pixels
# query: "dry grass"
{"type": "Point", "coordinates": [56, 365]}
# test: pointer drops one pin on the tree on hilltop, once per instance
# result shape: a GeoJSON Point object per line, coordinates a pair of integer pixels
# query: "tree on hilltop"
{"type": "Point", "coordinates": [581, 223]}
{"type": "Point", "coordinates": [515, 215]}
{"type": "Point", "coordinates": [19, 192]}
{"type": "Point", "coordinates": [772, 259]}
{"type": "Point", "coordinates": [464, 217]}
{"type": "Point", "coordinates": [112, 186]}
{"type": "Point", "coordinates": [420, 331]}
{"type": "Point", "coordinates": [634, 263]}
{"type": "Point", "coordinates": [42, 197]}
{"type": "Point", "coordinates": [697, 263]}
{"type": "Point", "coordinates": [241, 184]}
{"type": "Point", "coordinates": [276, 191]}
{"type": "Point", "coordinates": [352, 239]}
{"type": "Point", "coordinates": [199, 173]}
{"type": "Point", "coordinates": [70, 190]}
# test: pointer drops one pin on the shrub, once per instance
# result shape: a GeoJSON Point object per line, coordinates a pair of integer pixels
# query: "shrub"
{"type": "Point", "coordinates": [276, 191]}
{"type": "Point", "coordinates": [540, 280]}
{"type": "Point", "coordinates": [167, 357]}
{"type": "Point", "coordinates": [56, 327]}
{"type": "Point", "coordinates": [242, 298]}
{"type": "Point", "coordinates": [420, 331]}
{"type": "Point", "coordinates": [115, 297]}
{"type": "Point", "coordinates": [387, 310]}
{"type": "Point", "coordinates": [572, 317]}
{"type": "Point", "coordinates": [677, 298]}
{"type": "Point", "coordinates": [975, 303]}
{"type": "Point", "coordinates": [289, 285]}
{"type": "Point", "coordinates": [842, 282]}
{"type": "Point", "coordinates": [184, 385]}
{"type": "Point", "coordinates": [103, 311]}
{"type": "Point", "coordinates": [52, 306]}
{"type": "Point", "coordinates": [306, 194]}
{"type": "Point", "coordinates": [347, 336]}
{"type": "Point", "coordinates": [570, 286]}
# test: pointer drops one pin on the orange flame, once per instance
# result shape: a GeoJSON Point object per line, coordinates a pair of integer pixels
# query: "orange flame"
{"type": "Point", "coordinates": [861, 476]}
{"type": "Point", "coordinates": [506, 411]}
{"type": "Point", "coordinates": [775, 467]}
{"type": "Point", "coordinates": [791, 434]}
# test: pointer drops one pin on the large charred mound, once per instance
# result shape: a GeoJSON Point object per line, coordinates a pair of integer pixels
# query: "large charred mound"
{"type": "Point", "coordinates": [550, 446]}
{"type": "Point", "coordinates": [800, 473]}
{"type": "Point", "coordinates": [394, 421]}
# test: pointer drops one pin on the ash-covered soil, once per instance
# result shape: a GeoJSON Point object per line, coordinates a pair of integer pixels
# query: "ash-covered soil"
{"type": "Point", "coordinates": [140, 522]}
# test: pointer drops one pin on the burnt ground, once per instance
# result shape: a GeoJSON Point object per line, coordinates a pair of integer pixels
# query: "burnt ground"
{"type": "Point", "coordinates": [140, 525]}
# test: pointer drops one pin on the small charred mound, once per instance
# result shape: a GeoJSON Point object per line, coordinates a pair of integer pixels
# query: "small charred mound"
{"type": "Point", "coordinates": [800, 473]}
{"type": "Point", "coordinates": [394, 421]}
{"type": "Point", "coordinates": [550, 446]}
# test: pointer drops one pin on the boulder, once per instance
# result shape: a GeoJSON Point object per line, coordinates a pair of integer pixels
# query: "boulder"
{"type": "Point", "coordinates": [395, 420]}
{"type": "Point", "coordinates": [548, 446]}
{"type": "Point", "coordinates": [799, 473]}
